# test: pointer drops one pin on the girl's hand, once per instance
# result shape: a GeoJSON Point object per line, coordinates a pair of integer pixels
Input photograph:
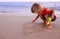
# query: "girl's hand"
{"type": "Point", "coordinates": [35, 18]}
{"type": "Point", "coordinates": [33, 21]}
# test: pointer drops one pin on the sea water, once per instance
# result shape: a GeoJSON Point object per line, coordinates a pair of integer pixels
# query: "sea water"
{"type": "Point", "coordinates": [25, 7]}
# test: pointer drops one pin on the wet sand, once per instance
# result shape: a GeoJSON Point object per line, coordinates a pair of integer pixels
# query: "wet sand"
{"type": "Point", "coordinates": [20, 27]}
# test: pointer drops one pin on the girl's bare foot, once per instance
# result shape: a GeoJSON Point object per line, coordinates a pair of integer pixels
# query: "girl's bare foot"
{"type": "Point", "coordinates": [49, 27]}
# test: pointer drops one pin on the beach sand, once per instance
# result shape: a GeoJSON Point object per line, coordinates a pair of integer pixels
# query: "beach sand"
{"type": "Point", "coordinates": [20, 27]}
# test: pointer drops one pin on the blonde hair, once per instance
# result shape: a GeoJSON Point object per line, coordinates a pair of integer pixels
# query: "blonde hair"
{"type": "Point", "coordinates": [35, 7]}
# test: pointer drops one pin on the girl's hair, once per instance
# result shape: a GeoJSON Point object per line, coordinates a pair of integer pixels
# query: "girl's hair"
{"type": "Point", "coordinates": [35, 7]}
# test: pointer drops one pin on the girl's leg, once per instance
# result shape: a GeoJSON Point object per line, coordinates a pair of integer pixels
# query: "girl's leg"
{"type": "Point", "coordinates": [43, 19]}
{"type": "Point", "coordinates": [47, 22]}
{"type": "Point", "coordinates": [48, 26]}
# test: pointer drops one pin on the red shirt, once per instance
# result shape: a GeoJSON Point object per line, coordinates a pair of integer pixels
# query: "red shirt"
{"type": "Point", "coordinates": [45, 12]}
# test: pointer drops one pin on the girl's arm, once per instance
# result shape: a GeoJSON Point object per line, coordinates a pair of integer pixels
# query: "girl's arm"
{"type": "Point", "coordinates": [52, 14]}
{"type": "Point", "coordinates": [35, 18]}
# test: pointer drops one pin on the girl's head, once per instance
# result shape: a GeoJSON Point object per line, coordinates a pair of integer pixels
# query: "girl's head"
{"type": "Point", "coordinates": [35, 8]}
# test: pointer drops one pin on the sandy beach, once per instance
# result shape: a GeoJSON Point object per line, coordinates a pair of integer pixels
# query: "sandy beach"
{"type": "Point", "coordinates": [20, 27]}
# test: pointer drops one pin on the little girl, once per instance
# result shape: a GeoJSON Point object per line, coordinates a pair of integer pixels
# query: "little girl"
{"type": "Point", "coordinates": [43, 13]}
